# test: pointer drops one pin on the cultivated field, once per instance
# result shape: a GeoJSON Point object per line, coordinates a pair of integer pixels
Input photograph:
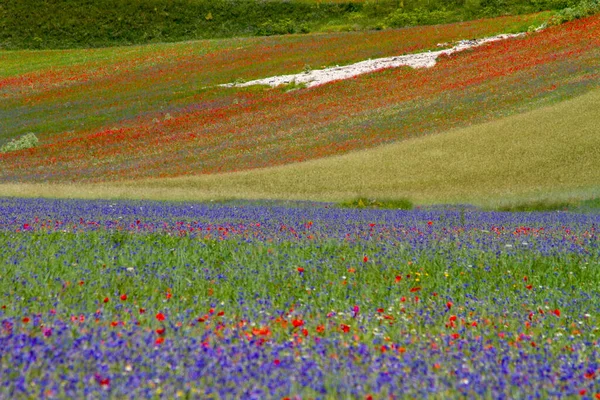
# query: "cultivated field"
{"type": "Point", "coordinates": [549, 154]}
{"type": "Point", "coordinates": [183, 122]}
{"type": "Point", "coordinates": [289, 284]}
{"type": "Point", "coordinates": [155, 300]}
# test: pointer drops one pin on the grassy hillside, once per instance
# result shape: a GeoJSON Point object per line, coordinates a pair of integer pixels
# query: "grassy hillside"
{"type": "Point", "coordinates": [47, 24]}
{"type": "Point", "coordinates": [549, 153]}
{"type": "Point", "coordinates": [155, 113]}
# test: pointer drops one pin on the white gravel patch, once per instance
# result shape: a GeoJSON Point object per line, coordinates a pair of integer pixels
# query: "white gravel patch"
{"type": "Point", "coordinates": [418, 60]}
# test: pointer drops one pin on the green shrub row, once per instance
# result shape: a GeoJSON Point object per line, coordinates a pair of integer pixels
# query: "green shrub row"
{"type": "Point", "coordinates": [363, 202]}
{"type": "Point", "coordinates": [45, 24]}
{"type": "Point", "coordinates": [97, 23]}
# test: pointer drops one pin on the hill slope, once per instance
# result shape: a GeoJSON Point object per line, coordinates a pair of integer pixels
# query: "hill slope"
{"type": "Point", "coordinates": [549, 152]}
{"type": "Point", "coordinates": [149, 118]}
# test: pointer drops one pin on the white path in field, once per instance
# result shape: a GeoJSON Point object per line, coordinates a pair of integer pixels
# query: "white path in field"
{"type": "Point", "coordinates": [418, 60]}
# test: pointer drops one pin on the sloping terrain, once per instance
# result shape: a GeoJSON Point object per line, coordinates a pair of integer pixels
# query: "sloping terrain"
{"type": "Point", "coordinates": [148, 112]}
{"type": "Point", "coordinates": [549, 152]}
{"type": "Point", "coordinates": [220, 130]}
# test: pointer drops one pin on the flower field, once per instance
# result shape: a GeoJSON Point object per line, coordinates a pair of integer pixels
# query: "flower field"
{"type": "Point", "coordinates": [102, 299]}
{"type": "Point", "coordinates": [155, 112]}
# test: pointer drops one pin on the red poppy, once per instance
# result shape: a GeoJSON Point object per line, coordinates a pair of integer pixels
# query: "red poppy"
{"type": "Point", "coordinates": [26, 320]}
{"type": "Point", "coordinates": [556, 312]}
{"type": "Point", "coordinates": [297, 322]}
{"type": "Point", "coordinates": [276, 361]}
{"type": "Point", "coordinates": [300, 269]}
{"type": "Point", "coordinates": [365, 259]}
{"type": "Point", "coordinates": [159, 340]}
{"type": "Point", "coordinates": [265, 331]}
{"type": "Point", "coordinates": [345, 328]}
{"type": "Point", "coordinates": [449, 305]}
{"type": "Point", "coordinates": [168, 295]}
{"type": "Point", "coordinates": [398, 278]}
{"type": "Point", "coordinates": [160, 316]}
{"type": "Point", "coordinates": [106, 300]}
{"type": "Point", "coordinates": [123, 297]}
{"type": "Point", "coordinates": [142, 310]}
{"type": "Point", "coordinates": [160, 331]}
{"type": "Point", "coordinates": [415, 289]}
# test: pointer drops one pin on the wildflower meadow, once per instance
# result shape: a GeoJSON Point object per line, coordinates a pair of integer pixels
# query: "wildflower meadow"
{"type": "Point", "coordinates": [115, 299]}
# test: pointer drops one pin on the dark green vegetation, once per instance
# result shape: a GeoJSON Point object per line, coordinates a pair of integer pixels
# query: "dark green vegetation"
{"type": "Point", "coordinates": [47, 24]}
{"type": "Point", "coordinates": [591, 205]}
{"type": "Point", "coordinates": [363, 202]}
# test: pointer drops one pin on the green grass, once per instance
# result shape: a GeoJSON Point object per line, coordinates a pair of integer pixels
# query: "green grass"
{"type": "Point", "coordinates": [146, 266]}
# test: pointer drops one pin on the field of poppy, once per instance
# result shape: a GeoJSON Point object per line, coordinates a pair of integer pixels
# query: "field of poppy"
{"type": "Point", "coordinates": [113, 299]}
{"type": "Point", "coordinates": [128, 116]}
